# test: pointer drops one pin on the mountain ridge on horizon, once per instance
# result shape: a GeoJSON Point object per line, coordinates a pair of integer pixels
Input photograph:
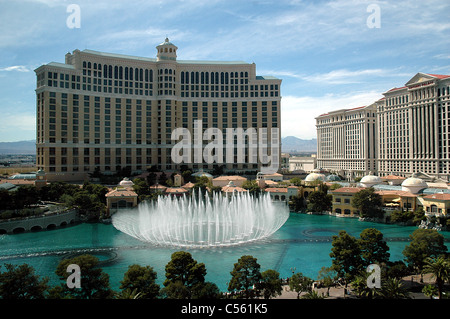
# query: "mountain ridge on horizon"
{"type": "Point", "coordinates": [288, 144]}
{"type": "Point", "coordinates": [26, 147]}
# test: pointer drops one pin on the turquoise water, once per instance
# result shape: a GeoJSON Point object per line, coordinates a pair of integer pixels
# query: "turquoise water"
{"type": "Point", "coordinates": [304, 242]}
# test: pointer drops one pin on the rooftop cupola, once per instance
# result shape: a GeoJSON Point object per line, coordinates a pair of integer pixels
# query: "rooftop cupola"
{"type": "Point", "coordinates": [167, 51]}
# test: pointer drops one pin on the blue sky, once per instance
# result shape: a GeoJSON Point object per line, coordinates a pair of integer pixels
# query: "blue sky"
{"type": "Point", "coordinates": [324, 51]}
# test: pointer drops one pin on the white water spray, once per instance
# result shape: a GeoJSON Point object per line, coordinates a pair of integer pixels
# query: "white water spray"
{"type": "Point", "coordinates": [201, 221]}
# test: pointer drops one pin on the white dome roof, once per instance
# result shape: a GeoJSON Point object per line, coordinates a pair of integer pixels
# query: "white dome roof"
{"type": "Point", "coordinates": [314, 177]}
{"type": "Point", "coordinates": [414, 181]}
{"type": "Point", "coordinates": [413, 184]}
{"type": "Point", "coordinates": [126, 182]}
{"type": "Point", "coordinates": [372, 179]}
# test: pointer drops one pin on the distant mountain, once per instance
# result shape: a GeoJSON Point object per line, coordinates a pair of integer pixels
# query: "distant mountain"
{"type": "Point", "coordinates": [21, 147]}
{"type": "Point", "coordinates": [291, 144]}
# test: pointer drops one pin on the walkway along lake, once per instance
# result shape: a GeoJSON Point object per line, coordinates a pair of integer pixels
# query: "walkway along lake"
{"type": "Point", "coordinates": [304, 242]}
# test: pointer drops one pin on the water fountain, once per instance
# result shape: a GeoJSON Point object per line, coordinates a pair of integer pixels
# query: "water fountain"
{"type": "Point", "coordinates": [199, 220]}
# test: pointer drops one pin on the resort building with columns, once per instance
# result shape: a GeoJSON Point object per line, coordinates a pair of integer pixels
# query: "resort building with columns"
{"type": "Point", "coordinates": [414, 127]}
{"type": "Point", "coordinates": [346, 141]}
{"type": "Point", "coordinates": [408, 130]}
{"type": "Point", "coordinates": [104, 112]}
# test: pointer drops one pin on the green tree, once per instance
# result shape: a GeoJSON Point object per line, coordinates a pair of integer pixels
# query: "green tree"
{"type": "Point", "coordinates": [184, 269]}
{"type": "Point", "coordinates": [392, 288]}
{"type": "Point", "coordinates": [141, 188]}
{"type": "Point", "coordinates": [374, 249]}
{"type": "Point", "coordinates": [439, 267]}
{"type": "Point", "coordinates": [270, 284]}
{"type": "Point", "coordinates": [313, 295]}
{"type": "Point", "coordinates": [94, 282]}
{"type": "Point", "coordinates": [368, 203]}
{"type": "Point", "coordinates": [359, 285]}
{"type": "Point", "coordinates": [397, 269]}
{"type": "Point", "coordinates": [300, 283]}
{"type": "Point", "coordinates": [142, 279]}
{"type": "Point", "coordinates": [297, 203]}
{"type": "Point", "coordinates": [430, 291]}
{"type": "Point", "coordinates": [245, 274]}
{"type": "Point", "coordinates": [88, 204]}
{"type": "Point", "coordinates": [252, 187]}
{"type": "Point", "coordinates": [176, 290]}
{"type": "Point", "coordinates": [25, 196]}
{"type": "Point", "coordinates": [424, 243]}
{"type": "Point", "coordinates": [346, 257]}
{"type": "Point", "coordinates": [98, 190]}
{"type": "Point", "coordinates": [297, 181]}
{"type": "Point", "coordinates": [151, 178]}
{"type": "Point", "coordinates": [206, 290]}
{"type": "Point", "coordinates": [54, 191]}
{"type": "Point", "coordinates": [128, 294]}
{"type": "Point", "coordinates": [6, 200]}
{"type": "Point", "coordinates": [319, 201]}
{"type": "Point", "coordinates": [202, 183]}
{"type": "Point", "coordinates": [419, 215]}
{"type": "Point", "coordinates": [327, 277]}
{"type": "Point", "coordinates": [399, 216]}
{"type": "Point", "coordinates": [20, 282]}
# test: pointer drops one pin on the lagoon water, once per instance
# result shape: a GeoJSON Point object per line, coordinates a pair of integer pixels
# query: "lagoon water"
{"type": "Point", "coordinates": [303, 242]}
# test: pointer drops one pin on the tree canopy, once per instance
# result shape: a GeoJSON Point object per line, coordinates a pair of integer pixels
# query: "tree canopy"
{"type": "Point", "coordinates": [141, 279]}
{"type": "Point", "coordinates": [368, 203]}
{"type": "Point", "coordinates": [346, 256]}
{"type": "Point", "coordinates": [94, 281]}
{"type": "Point", "coordinates": [185, 277]}
{"type": "Point", "coordinates": [20, 282]}
{"type": "Point", "coordinates": [424, 243]}
{"type": "Point", "coordinates": [374, 249]}
{"type": "Point", "coordinates": [245, 274]}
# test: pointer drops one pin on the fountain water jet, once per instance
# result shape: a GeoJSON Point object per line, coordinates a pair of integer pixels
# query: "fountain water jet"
{"type": "Point", "coordinates": [200, 221]}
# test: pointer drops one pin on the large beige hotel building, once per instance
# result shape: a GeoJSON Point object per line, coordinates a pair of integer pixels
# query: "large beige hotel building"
{"type": "Point", "coordinates": [105, 112]}
{"type": "Point", "coordinates": [405, 132]}
{"type": "Point", "coordinates": [346, 140]}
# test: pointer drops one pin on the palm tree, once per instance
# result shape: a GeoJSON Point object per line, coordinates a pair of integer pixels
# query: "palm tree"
{"type": "Point", "coordinates": [393, 288]}
{"type": "Point", "coordinates": [440, 269]}
{"type": "Point", "coordinates": [313, 295]}
{"type": "Point", "coordinates": [129, 294]}
{"type": "Point", "coordinates": [359, 285]}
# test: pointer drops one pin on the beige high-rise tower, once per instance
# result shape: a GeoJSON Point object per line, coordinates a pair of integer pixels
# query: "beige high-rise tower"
{"type": "Point", "coordinates": [107, 112]}
{"type": "Point", "coordinates": [346, 141]}
{"type": "Point", "coordinates": [414, 127]}
{"type": "Point", "coordinates": [407, 131]}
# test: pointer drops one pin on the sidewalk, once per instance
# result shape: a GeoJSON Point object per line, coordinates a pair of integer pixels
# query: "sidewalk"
{"type": "Point", "coordinates": [410, 282]}
{"type": "Point", "coordinates": [334, 293]}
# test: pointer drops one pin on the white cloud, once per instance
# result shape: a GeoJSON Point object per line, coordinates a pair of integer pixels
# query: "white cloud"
{"type": "Point", "coordinates": [19, 68]}
{"type": "Point", "coordinates": [343, 76]}
{"type": "Point", "coordinates": [442, 56]}
{"type": "Point", "coordinates": [298, 113]}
